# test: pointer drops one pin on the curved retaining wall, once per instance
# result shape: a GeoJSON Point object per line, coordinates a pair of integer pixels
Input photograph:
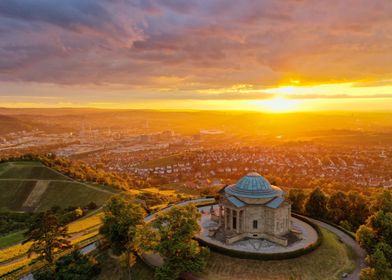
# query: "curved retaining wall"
{"type": "Point", "coordinates": [272, 256]}
{"type": "Point", "coordinates": [250, 255]}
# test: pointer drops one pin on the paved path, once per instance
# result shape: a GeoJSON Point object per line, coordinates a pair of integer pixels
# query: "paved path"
{"type": "Point", "coordinates": [151, 217]}
{"type": "Point", "coordinates": [361, 254]}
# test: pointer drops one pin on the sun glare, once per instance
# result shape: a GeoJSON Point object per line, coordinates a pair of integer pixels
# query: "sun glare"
{"type": "Point", "coordinates": [278, 105]}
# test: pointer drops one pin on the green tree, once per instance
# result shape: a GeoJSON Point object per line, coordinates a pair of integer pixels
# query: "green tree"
{"type": "Point", "coordinates": [297, 198]}
{"type": "Point", "coordinates": [366, 238]}
{"type": "Point", "coordinates": [70, 267]}
{"type": "Point", "coordinates": [122, 215]}
{"type": "Point", "coordinates": [128, 257]}
{"type": "Point", "coordinates": [48, 235]}
{"type": "Point", "coordinates": [171, 236]}
{"type": "Point", "coordinates": [358, 209]}
{"type": "Point", "coordinates": [337, 207]}
{"type": "Point", "coordinates": [316, 205]}
{"type": "Point", "coordinates": [376, 238]}
{"type": "Point", "coordinates": [76, 266]}
{"type": "Point", "coordinates": [383, 201]}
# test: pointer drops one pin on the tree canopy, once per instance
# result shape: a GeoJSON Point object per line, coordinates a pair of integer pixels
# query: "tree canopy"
{"type": "Point", "coordinates": [122, 216]}
{"type": "Point", "coordinates": [316, 205]}
{"type": "Point", "coordinates": [48, 235]}
{"type": "Point", "coordinates": [376, 238]}
{"type": "Point", "coordinates": [171, 236]}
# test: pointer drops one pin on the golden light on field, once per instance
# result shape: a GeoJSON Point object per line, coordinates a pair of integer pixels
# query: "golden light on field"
{"type": "Point", "coordinates": [278, 104]}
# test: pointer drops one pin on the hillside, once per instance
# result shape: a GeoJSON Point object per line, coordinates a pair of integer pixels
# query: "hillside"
{"type": "Point", "coordinates": [11, 124]}
{"type": "Point", "coordinates": [31, 186]}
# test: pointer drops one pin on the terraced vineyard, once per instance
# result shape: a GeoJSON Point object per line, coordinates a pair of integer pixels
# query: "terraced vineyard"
{"type": "Point", "coordinates": [31, 186]}
{"type": "Point", "coordinates": [82, 231]}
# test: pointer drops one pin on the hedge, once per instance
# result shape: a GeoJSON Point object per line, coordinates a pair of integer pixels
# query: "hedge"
{"type": "Point", "coordinates": [265, 256]}
{"type": "Point", "coordinates": [349, 233]}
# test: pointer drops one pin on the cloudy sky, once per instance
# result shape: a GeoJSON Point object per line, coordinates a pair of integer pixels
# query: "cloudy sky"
{"type": "Point", "coordinates": [197, 54]}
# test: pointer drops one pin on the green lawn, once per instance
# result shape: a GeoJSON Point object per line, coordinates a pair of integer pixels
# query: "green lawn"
{"type": "Point", "coordinates": [13, 193]}
{"type": "Point", "coordinates": [329, 261]}
{"type": "Point", "coordinates": [11, 238]}
{"type": "Point", "coordinates": [30, 170]}
{"type": "Point", "coordinates": [71, 194]}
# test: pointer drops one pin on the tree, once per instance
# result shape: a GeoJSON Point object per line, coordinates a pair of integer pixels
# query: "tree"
{"type": "Point", "coordinates": [128, 257]}
{"type": "Point", "coordinates": [121, 218]}
{"type": "Point", "coordinates": [337, 207]}
{"type": "Point", "coordinates": [366, 238]}
{"type": "Point", "coordinates": [358, 209]}
{"type": "Point", "coordinates": [380, 267]}
{"type": "Point", "coordinates": [376, 238]}
{"type": "Point", "coordinates": [316, 205]}
{"type": "Point", "coordinates": [383, 201]}
{"type": "Point", "coordinates": [76, 266]}
{"type": "Point", "coordinates": [171, 236]}
{"type": "Point", "coordinates": [70, 267]}
{"type": "Point", "coordinates": [48, 235]}
{"type": "Point", "coordinates": [297, 198]}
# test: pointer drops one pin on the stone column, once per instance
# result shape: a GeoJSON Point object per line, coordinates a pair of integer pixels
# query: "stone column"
{"type": "Point", "coordinates": [237, 221]}
{"type": "Point", "coordinates": [220, 215]}
{"type": "Point", "coordinates": [227, 222]}
{"type": "Point", "coordinates": [240, 221]}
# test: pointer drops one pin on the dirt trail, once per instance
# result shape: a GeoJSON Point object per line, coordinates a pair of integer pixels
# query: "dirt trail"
{"type": "Point", "coordinates": [35, 195]}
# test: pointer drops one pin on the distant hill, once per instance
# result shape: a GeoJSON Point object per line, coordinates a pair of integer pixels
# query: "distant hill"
{"type": "Point", "coordinates": [11, 124]}
{"type": "Point", "coordinates": [31, 186]}
{"type": "Point", "coordinates": [249, 126]}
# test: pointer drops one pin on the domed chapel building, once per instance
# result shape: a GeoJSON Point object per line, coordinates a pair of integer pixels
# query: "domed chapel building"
{"type": "Point", "coordinates": [253, 208]}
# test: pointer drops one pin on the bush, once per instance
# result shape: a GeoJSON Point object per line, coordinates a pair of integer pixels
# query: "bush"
{"type": "Point", "coordinates": [76, 266]}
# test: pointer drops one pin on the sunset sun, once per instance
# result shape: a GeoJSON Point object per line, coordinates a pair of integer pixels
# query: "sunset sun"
{"type": "Point", "coordinates": [278, 104]}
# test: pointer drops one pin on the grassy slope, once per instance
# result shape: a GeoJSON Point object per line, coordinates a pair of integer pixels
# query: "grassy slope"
{"type": "Point", "coordinates": [327, 262]}
{"type": "Point", "coordinates": [17, 180]}
{"type": "Point", "coordinates": [30, 170]}
{"type": "Point", "coordinates": [11, 239]}
{"type": "Point", "coordinates": [13, 193]}
{"type": "Point", "coordinates": [70, 194]}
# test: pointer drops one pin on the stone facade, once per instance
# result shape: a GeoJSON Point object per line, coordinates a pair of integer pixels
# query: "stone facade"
{"type": "Point", "coordinates": [254, 217]}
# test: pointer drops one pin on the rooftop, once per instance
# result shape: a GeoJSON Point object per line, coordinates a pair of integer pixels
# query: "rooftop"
{"type": "Point", "coordinates": [253, 185]}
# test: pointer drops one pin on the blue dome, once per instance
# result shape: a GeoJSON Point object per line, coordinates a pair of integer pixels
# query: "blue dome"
{"type": "Point", "coordinates": [253, 185]}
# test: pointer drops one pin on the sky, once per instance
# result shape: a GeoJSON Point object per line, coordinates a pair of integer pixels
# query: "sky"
{"type": "Point", "coordinates": [264, 55]}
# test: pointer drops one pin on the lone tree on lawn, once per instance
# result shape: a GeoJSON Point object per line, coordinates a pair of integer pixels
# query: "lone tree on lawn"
{"type": "Point", "coordinates": [48, 236]}
{"type": "Point", "coordinates": [171, 236]}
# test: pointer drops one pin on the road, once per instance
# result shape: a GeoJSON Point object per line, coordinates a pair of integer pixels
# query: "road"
{"type": "Point", "coordinates": [361, 254]}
